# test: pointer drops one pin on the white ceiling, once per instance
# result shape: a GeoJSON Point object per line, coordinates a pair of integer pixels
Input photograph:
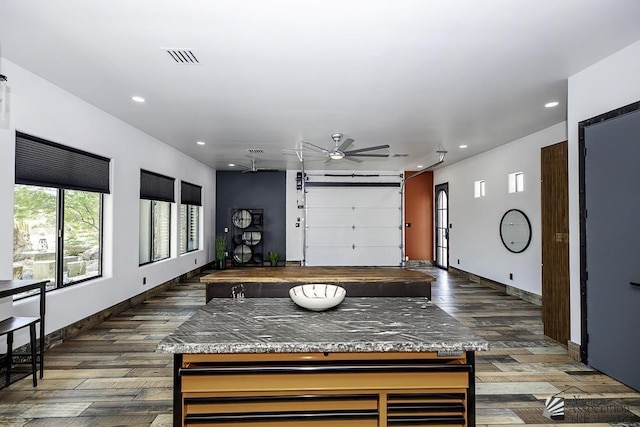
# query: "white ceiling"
{"type": "Point", "coordinates": [417, 75]}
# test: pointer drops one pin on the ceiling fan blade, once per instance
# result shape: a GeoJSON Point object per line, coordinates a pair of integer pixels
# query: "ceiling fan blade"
{"type": "Point", "coordinates": [353, 159]}
{"type": "Point", "coordinates": [360, 150]}
{"type": "Point", "coordinates": [346, 144]}
{"type": "Point", "coordinates": [317, 147]}
{"type": "Point", "coordinates": [365, 155]}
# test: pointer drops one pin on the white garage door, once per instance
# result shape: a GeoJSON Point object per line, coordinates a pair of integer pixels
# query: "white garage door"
{"type": "Point", "coordinates": [353, 226]}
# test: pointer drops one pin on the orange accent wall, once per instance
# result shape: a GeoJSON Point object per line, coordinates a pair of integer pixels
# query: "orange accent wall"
{"type": "Point", "coordinates": [418, 204]}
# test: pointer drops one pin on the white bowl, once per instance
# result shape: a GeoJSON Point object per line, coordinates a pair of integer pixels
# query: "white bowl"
{"type": "Point", "coordinates": [317, 296]}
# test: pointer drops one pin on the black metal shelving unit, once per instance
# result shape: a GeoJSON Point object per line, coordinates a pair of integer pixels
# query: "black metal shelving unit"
{"type": "Point", "coordinates": [247, 237]}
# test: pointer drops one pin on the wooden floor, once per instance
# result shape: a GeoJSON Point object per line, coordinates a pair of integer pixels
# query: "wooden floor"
{"type": "Point", "coordinates": [111, 375]}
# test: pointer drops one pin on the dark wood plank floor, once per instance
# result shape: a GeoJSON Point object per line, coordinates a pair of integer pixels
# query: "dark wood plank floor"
{"type": "Point", "coordinates": [112, 376]}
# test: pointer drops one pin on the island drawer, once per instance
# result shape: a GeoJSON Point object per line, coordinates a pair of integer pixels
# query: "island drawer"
{"type": "Point", "coordinates": [243, 409]}
{"type": "Point", "coordinates": [323, 381]}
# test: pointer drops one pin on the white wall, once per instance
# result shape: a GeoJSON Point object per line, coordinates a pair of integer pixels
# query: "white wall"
{"type": "Point", "coordinates": [41, 109]}
{"type": "Point", "coordinates": [474, 238]}
{"type": "Point", "coordinates": [294, 234]}
{"type": "Point", "coordinates": [600, 88]}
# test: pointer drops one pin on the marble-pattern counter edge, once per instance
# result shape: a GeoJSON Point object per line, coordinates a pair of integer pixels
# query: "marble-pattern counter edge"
{"type": "Point", "coordinates": [277, 325]}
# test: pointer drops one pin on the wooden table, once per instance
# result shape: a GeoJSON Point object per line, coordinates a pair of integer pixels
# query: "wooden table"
{"type": "Point", "coordinates": [260, 282]}
{"type": "Point", "coordinates": [14, 287]}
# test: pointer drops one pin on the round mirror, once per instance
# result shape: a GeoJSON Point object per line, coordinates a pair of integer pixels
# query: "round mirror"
{"type": "Point", "coordinates": [515, 230]}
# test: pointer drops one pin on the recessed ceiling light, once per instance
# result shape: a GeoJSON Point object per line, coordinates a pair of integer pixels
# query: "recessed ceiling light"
{"type": "Point", "coordinates": [420, 166]}
{"type": "Point", "coordinates": [463, 146]}
{"type": "Point", "coordinates": [232, 164]}
{"type": "Point", "coordinates": [200, 142]}
{"type": "Point", "coordinates": [138, 99]}
{"type": "Point", "coordinates": [551, 104]}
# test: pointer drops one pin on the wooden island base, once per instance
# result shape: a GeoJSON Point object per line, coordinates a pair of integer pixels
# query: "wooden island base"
{"type": "Point", "coordinates": [324, 389]}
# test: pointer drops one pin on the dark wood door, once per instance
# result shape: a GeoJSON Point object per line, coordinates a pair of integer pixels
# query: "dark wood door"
{"type": "Point", "coordinates": [555, 242]}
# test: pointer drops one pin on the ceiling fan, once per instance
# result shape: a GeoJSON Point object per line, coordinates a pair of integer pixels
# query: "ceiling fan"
{"type": "Point", "coordinates": [340, 149]}
{"type": "Point", "coordinates": [254, 169]}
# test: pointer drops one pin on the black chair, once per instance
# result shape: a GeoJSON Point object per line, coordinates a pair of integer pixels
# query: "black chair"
{"type": "Point", "coordinates": [8, 327]}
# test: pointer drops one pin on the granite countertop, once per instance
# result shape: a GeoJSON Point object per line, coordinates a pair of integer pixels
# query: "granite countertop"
{"type": "Point", "coordinates": [277, 325]}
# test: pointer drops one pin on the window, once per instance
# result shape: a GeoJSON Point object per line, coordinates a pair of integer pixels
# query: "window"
{"type": "Point", "coordinates": [516, 182]}
{"type": "Point", "coordinates": [155, 231]}
{"type": "Point", "coordinates": [156, 196]}
{"type": "Point", "coordinates": [189, 228]}
{"type": "Point", "coordinates": [478, 189]}
{"type": "Point", "coordinates": [58, 200]}
{"type": "Point", "coordinates": [191, 200]}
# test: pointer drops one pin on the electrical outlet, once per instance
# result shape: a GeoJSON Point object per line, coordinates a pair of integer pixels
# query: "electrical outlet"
{"type": "Point", "coordinates": [510, 276]}
{"type": "Point", "coordinates": [144, 280]}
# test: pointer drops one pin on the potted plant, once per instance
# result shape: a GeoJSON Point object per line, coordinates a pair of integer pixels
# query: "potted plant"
{"type": "Point", "coordinates": [273, 258]}
{"type": "Point", "coordinates": [221, 251]}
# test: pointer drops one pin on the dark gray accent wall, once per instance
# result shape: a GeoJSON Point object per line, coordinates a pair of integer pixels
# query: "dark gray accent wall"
{"type": "Point", "coordinates": [261, 190]}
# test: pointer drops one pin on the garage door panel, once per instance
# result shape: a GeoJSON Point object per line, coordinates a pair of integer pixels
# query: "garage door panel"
{"type": "Point", "coordinates": [326, 237]}
{"type": "Point", "coordinates": [358, 236]}
{"type": "Point", "coordinates": [357, 226]}
{"type": "Point", "coordinates": [341, 256]}
{"type": "Point", "coordinates": [369, 217]}
{"type": "Point", "coordinates": [332, 197]}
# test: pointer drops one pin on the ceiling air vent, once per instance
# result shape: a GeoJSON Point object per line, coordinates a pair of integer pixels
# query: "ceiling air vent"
{"type": "Point", "coordinates": [183, 56]}
{"type": "Point", "coordinates": [255, 150]}
{"type": "Point", "coordinates": [400, 155]}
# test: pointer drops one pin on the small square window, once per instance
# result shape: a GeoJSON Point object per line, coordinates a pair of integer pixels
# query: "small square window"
{"type": "Point", "coordinates": [519, 182]}
{"type": "Point", "coordinates": [516, 182]}
{"type": "Point", "coordinates": [479, 189]}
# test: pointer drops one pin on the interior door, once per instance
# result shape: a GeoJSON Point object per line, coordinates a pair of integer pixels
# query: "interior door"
{"type": "Point", "coordinates": [612, 180]}
{"type": "Point", "coordinates": [442, 226]}
{"type": "Point", "coordinates": [555, 241]}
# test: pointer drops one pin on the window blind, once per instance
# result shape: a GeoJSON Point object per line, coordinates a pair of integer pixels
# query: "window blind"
{"type": "Point", "coordinates": [154, 186]}
{"type": "Point", "coordinates": [49, 164]}
{"type": "Point", "coordinates": [190, 194]}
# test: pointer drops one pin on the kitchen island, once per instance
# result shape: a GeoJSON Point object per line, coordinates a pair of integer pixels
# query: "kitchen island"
{"type": "Point", "coordinates": [261, 282]}
{"type": "Point", "coordinates": [368, 362]}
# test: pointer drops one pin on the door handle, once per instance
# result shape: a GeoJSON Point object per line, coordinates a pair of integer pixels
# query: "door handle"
{"type": "Point", "coordinates": [634, 283]}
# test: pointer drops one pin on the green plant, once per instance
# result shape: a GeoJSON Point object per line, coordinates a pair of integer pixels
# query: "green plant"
{"type": "Point", "coordinates": [274, 257]}
{"type": "Point", "coordinates": [221, 246]}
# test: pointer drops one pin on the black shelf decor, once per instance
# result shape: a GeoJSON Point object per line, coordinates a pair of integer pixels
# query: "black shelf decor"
{"type": "Point", "coordinates": [247, 236]}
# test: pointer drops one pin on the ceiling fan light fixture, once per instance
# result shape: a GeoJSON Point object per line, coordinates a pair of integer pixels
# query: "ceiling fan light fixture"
{"type": "Point", "coordinates": [336, 155]}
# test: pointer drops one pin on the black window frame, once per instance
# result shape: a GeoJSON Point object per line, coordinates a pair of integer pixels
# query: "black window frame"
{"type": "Point", "coordinates": [187, 228]}
{"type": "Point", "coordinates": [155, 188]}
{"type": "Point", "coordinates": [46, 164]}
{"type": "Point", "coordinates": [190, 196]}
